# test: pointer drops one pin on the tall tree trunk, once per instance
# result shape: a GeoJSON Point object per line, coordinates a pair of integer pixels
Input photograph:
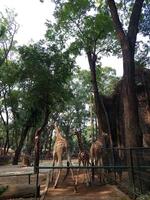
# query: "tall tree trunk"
{"type": "Point", "coordinates": [27, 126]}
{"type": "Point", "coordinates": [21, 143]}
{"type": "Point", "coordinates": [37, 139]}
{"type": "Point", "coordinates": [130, 105]}
{"type": "Point", "coordinates": [5, 123]}
{"type": "Point", "coordinates": [30, 142]}
{"type": "Point", "coordinates": [127, 42]}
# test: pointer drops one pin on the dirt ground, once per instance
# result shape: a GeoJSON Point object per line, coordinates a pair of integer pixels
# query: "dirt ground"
{"type": "Point", "coordinates": [65, 190]}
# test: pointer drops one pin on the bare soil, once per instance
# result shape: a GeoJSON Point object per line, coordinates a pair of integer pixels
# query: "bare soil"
{"type": "Point", "coordinates": [65, 190]}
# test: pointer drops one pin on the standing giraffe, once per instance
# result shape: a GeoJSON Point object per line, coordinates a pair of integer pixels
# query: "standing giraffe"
{"type": "Point", "coordinates": [96, 153]}
{"type": "Point", "coordinates": [83, 155]}
{"type": "Point", "coordinates": [60, 148]}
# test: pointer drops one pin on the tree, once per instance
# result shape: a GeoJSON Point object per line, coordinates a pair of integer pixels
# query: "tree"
{"type": "Point", "coordinates": [44, 72]}
{"type": "Point", "coordinates": [142, 56]}
{"type": "Point", "coordinates": [8, 69]}
{"type": "Point", "coordinates": [91, 31]}
{"type": "Point", "coordinates": [8, 30]}
{"type": "Point", "coordinates": [76, 113]}
{"type": "Point", "coordinates": [127, 41]}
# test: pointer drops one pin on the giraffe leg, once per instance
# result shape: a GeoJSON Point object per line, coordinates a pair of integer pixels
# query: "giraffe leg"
{"type": "Point", "coordinates": [73, 177]}
{"type": "Point", "coordinates": [102, 175]}
{"type": "Point", "coordinates": [52, 173]}
{"type": "Point", "coordinates": [92, 170]}
{"type": "Point", "coordinates": [57, 178]}
{"type": "Point", "coordinates": [59, 172]}
{"type": "Point", "coordinates": [67, 172]}
{"type": "Point", "coordinates": [87, 175]}
{"type": "Point", "coordinates": [74, 180]}
{"type": "Point", "coordinates": [78, 172]}
{"type": "Point", "coordinates": [99, 170]}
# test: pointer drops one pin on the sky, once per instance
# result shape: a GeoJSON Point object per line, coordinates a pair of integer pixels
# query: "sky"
{"type": "Point", "coordinates": [32, 15]}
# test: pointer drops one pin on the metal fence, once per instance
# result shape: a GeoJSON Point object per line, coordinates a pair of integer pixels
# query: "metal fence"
{"type": "Point", "coordinates": [129, 168]}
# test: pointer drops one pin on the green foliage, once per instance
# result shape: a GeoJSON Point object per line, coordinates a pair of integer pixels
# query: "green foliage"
{"type": "Point", "coordinates": [85, 24]}
{"type": "Point", "coordinates": [107, 80]}
{"type": "Point", "coordinates": [8, 29]}
{"type": "Point", "coordinates": [44, 75]}
{"type": "Point", "coordinates": [8, 71]}
{"type": "Point", "coordinates": [2, 29]}
{"type": "Point", "coordinates": [76, 111]}
{"type": "Point", "coordinates": [35, 82]}
{"type": "Point", "coordinates": [69, 10]}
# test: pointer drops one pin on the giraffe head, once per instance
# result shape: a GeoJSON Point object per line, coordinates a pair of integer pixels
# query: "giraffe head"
{"type": "Point", "coordinates": [57, 131]}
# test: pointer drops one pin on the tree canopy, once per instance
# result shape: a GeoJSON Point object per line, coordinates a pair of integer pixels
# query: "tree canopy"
{"type": "Point", "coordinates": [41, 82]}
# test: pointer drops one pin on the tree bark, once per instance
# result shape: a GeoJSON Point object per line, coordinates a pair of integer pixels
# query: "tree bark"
{"type": "Point", "coordinates": [133, 136]}
{"type": "Point", "coordinates": [37, 139]}
{"type": "Point", "coordinates": [127, 42]}
{"type": "Point", "coordinates": [19, 148]}
{"type": "Point", "coordinates": [30, 142]}
{"type": "Point", "coordinates": [24, 133]}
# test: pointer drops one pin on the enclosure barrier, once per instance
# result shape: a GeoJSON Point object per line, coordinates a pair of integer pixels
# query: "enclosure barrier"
{"type": "Point", "coordinates": [129, 168]}
{"type": "Point", "coordinates": [18, 174]}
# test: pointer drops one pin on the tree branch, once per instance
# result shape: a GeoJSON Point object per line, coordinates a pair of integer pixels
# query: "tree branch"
{"type": "Point", "coordinates": [134, 21]}
{"type": "Point", "coordinates": [117, 24]}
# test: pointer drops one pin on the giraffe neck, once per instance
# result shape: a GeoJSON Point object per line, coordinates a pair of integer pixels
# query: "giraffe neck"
{"type": "Point", "coordinates": [58, 134]}
{"type": "Point", "coordinates": [59, 137]}
{"type": "Point", "coordinates": [101, 140]}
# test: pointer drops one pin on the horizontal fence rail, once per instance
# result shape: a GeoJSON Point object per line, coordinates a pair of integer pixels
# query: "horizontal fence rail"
{"type": "Point", "coordinates": [93, 167]}
{"type": "Point", "coordinates": [131, 164]}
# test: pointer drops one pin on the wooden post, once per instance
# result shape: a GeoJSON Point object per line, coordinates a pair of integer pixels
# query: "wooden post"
{"type": "Point", "coordinates": [37, 150]}
{"type": "Point", "coordinates": [37, 157]}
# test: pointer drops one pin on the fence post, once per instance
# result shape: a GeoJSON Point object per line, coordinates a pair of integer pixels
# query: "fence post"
{"type": "Point", "coordinates": [37, 149]}
{"type": "Point", "coordinates": [139, 170]}
{"type": "Point", "coordinates": [114, 163]}
{"type": "Point", "coordinates": [93, 172]}
{"type": "Point", "coordinates": [36, 162]}
{"type": "Point", "coordinates": [131, 176]}
{"type": "Point", "coordinates": [37, 190]}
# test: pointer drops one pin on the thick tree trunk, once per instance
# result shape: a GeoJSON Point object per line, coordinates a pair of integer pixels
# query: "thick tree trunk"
{"type": "Point", "coordinates": [131, 119]}
{"type": "Point", "coordinates": [19, 148]}
{"type": "Point", "coordinates": [37, 139]}
{"type": "Point", "coordinates": [30, 143]}
{"type": "Point", "coordinates": [127, 42]}
{"type": "Point", "coordinates": [24, 133]}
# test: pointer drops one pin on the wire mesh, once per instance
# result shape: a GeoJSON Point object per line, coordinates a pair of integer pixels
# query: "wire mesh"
{"type": "Point", "coordinates": [129, 168]}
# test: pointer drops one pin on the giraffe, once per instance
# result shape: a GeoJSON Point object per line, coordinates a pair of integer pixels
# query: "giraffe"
{"type": "Point", "coordinates": [83, 155]}
{"type": "Point", "coordinates": [60, 148]}
{"type": "Point", "coordinates": [96, 153]}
